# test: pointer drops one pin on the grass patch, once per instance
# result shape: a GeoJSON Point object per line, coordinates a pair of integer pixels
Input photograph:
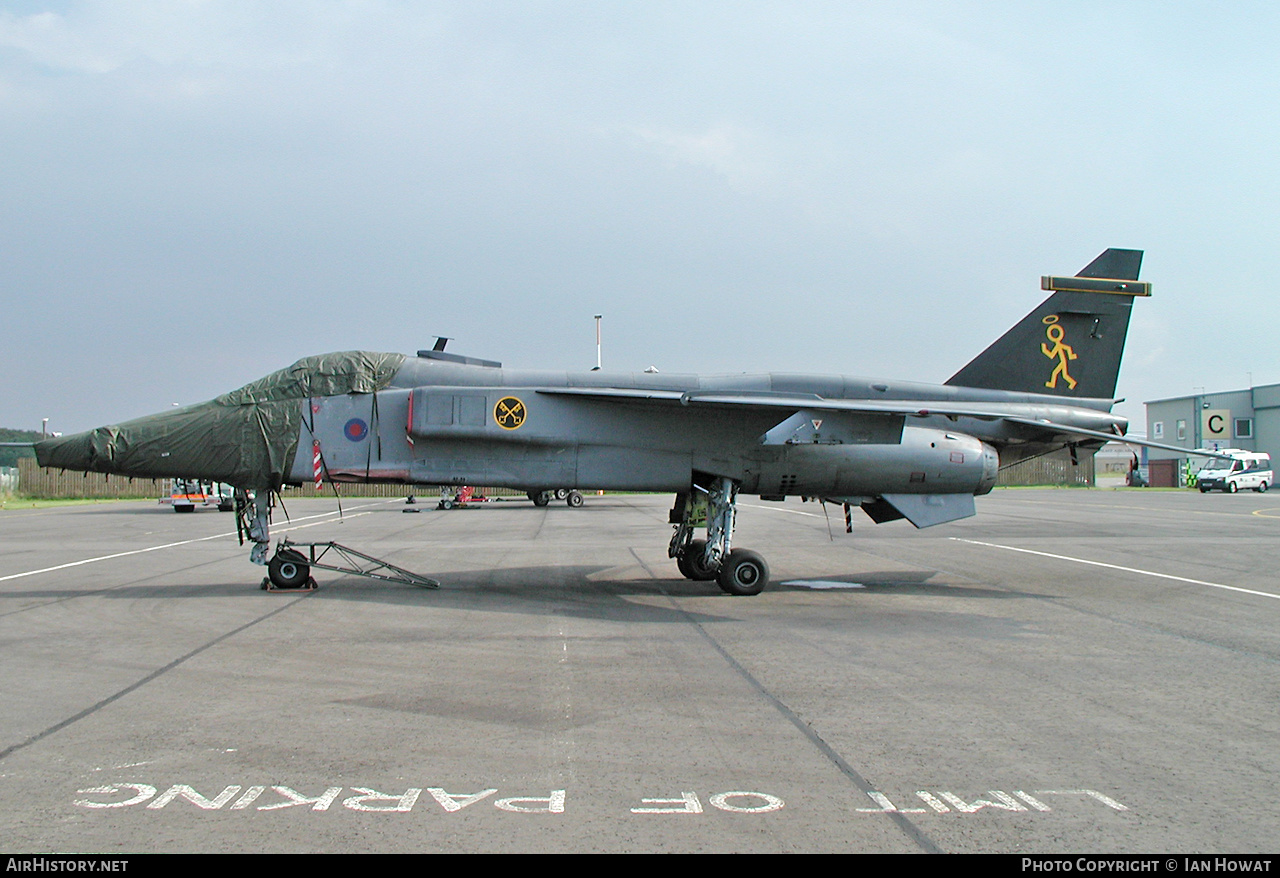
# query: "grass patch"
{"type": "Point", "coordinates": [17, 501]}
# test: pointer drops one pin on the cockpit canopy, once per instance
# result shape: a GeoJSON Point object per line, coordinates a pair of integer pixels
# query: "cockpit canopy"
{"type": "Point", "coordinates": [321, 375]}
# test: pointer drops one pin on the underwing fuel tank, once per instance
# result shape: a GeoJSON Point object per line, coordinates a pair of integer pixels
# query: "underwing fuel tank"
{"type": "Point", "coordinates": [926, 461]}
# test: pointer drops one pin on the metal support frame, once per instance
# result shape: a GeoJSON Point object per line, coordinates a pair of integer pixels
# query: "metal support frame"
{"type": "Point", "coordinates": [376, 569]}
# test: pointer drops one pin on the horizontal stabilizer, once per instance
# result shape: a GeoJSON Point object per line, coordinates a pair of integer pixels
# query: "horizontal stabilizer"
{"type": "Point", "coordinates": [1062, 431]}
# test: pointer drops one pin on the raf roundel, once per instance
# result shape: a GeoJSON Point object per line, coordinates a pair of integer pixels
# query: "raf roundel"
{"type": "Point", "coordinates": [509, 413]}
{"type": "Point", "coordinates": [355, 429]}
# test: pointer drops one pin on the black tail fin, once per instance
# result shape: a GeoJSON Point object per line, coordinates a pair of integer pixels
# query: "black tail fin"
{"type": "Point", "coordinates": [1072, 343]}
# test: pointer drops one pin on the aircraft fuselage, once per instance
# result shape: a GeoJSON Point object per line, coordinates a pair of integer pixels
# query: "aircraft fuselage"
{"type": "Point", "coordinates": [444, 423]}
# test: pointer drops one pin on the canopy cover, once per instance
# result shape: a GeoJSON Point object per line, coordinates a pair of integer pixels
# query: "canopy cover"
{"type": "Point", "coordinates": [246, 438]}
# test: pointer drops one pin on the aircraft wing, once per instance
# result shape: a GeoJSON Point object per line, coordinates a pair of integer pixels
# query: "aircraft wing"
{"type": "Point", "coordinates": [793, 401]}
{"type": "Point", "coordinates": [1024, 414]}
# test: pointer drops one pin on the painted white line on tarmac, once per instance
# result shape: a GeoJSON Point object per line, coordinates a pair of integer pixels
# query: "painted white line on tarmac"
{"type": "Point", "coordinates": [172, 545]}
{"type": "Point", "coordinates": [821, 584]}
{"type": "Point", "coordinates": [780, 509]}
{"type": "Point", "coordinates": [1261, 594]}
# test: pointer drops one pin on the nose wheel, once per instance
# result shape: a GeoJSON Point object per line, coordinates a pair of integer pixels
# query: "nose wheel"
{"type": "Point", "coordinates": [288, 569]}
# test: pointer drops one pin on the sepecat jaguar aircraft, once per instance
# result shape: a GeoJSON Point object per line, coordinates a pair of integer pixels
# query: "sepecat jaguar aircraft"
{"type": "Point", "coordinates": [895, 449]}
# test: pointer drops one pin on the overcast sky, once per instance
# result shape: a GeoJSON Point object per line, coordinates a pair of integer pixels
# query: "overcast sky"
{"type": "Point", "coordinates": [193, 194]}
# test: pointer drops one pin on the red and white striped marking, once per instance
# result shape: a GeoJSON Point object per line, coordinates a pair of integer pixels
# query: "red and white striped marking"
{"type": "Point", "coordinates": [317, 464]}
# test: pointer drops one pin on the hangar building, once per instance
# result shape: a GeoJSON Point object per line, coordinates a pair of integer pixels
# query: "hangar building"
{"type": "Point", "coordinates": [1247, 419]}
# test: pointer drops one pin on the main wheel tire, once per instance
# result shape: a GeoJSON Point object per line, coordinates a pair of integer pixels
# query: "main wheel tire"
{"type": "Point", "coordinates": [692, 565]}
{"type": "Point", "coordinates": [540, 498]}
{"type": "Point", "coordinates": [562, 493]}
{"type": "Point", "coordinates": [743, 573]}
{"type": "Point", "coordinates": [682, 564]}
{"type": "Point", "coordinates": [1231, 487]}
{"type": "Point", "coordinates": [288, 569]}
{"type": "Point", "coordinates": [1262, 488]}
{"type": "Point", "coordinates": [574, 499]}
{"type": "Point", "coordinates": [1204, 490]}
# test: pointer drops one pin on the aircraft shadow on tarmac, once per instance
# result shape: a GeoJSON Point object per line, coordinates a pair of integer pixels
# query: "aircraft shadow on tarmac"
{"type": "Point", "coordinates": [579, 592]}
{"type": "Point", "coordinates": [575, 591]}
{"type": "Point", "coordinates": [915, 583]}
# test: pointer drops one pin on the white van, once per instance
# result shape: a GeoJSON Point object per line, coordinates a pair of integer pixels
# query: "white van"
{"type": "Point", "coordinates": [1247, 469]}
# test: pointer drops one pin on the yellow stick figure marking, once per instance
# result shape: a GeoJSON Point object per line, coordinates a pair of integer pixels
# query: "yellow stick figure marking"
{"type": "Point", "coordinates": [1062, 352]}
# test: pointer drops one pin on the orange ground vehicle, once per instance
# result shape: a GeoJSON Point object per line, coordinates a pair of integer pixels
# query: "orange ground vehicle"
{"type": "Point", "coordinates": [187, 494]}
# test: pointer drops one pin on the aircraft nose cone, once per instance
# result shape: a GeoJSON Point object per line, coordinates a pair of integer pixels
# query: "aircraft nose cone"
{"type": "Point", "coordinates": [249, 446]}
{"type": "Point", "coordinates": [91, 451]}
{"type": "Point", "coordinates": [150, 447]}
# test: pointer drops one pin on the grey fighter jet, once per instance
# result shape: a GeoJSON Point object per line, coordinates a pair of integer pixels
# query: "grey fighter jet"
{"type": "Point", "coordinates": [896, 449]}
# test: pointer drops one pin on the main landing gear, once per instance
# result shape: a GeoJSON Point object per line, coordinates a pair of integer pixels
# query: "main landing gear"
{"type": "Point", "coordinates": [573, 499]}
{"type": "Point", "coordinates": [736, 571]}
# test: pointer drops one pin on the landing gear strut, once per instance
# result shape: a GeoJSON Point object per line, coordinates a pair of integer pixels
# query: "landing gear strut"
{"type": "Point", "coordinates": [736, 571]}
{"type": "Point", "coordinates": [253, 522]}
